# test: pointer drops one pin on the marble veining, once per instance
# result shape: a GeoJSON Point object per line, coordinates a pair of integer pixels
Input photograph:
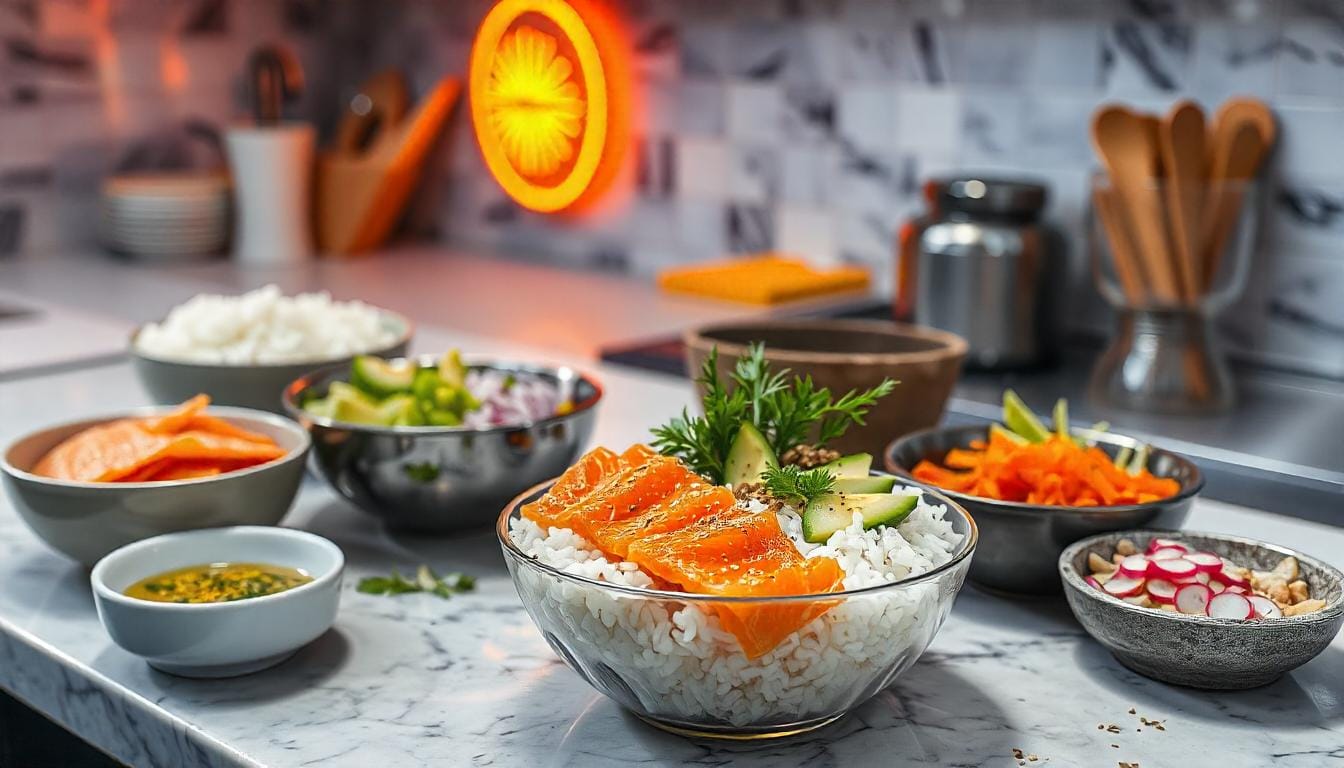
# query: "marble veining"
{"type": "Point", "coordinates": [415, 680]}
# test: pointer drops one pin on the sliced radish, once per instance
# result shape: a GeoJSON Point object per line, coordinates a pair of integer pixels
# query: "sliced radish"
{"type": "Point", "coordinates": [1231, 578]}
{"type": "Point", "coordinates": [1236, 590]}
{"type": "Point", "coordinates": [1230, 605]}
{"type": "Point", "coordinates": [1179, 568]}
{"type": "Point", "coordinates": [1134, 566]}
{"type": "Point", "coordinates": [1167, 553]}
{"type": "Point", "coordinates": [1160, 543]}
{"type": "Point", "coordinates": [1193, 599]}
{"type": "Point", "coordinates": [1124, 586]}
{"type": "Point", "coordinates": [1218, 587]}
{"type": "Point", "coordinates": [1161, 590]}
{"type": "Point", "coordinates": [1203, 577]}
{"type": "Point", "coordinates": [1206, 561]}
{"type": "Point", "coordinates": [1264, 607]}
{"type": "Point", "coordinates": [1092, 582]}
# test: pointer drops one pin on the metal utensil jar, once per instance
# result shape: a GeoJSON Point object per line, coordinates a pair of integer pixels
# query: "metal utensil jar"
{"type": "Point", "coordinates": [988, 269]}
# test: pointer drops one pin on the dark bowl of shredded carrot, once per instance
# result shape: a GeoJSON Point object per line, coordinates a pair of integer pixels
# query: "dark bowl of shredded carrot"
{"type": "Point", "coordinates": [1032, 500]}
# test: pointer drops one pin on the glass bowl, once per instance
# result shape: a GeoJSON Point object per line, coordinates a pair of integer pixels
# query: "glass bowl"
{"type": "Point", "coordinates": [663, 656]}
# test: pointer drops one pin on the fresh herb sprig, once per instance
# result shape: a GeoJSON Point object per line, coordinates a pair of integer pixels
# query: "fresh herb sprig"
{"type": "Point", "coordinates": [792, 483]}
{"type": "Point", "coordinates": [788, 412]}
{"type": "Point", "coordinates": [425, 580]}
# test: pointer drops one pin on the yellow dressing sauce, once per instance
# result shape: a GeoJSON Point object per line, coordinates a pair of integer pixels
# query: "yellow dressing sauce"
{"type": "Point", "coordinates": [217, 583]}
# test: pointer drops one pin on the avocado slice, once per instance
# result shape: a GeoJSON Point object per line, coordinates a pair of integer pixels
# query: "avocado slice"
{"type": "Point", "coordinates": [749, 456]}
{"type": "Point", "coordinates": [1007, 434]}
{"type": "Point", "coordinates": [426, 381]}
{"type": "Point", "coordinates": [452, 370]}
{"type": "Point", "coordinates": [835, 511]}
{"type": "Point", "coordinates": [351, 404]}
{"type": "Point", "coordinates": [1019, 418]}
{"type": "Point", "coordinates": [864, 484]}
{"type": "Point", "coordinates": [381, 378]}
{"type": "Point", "coordinates": [853, 465]}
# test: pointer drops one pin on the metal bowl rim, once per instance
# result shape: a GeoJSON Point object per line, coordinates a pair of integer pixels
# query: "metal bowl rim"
{"type": "Point", "coordinates": [1188, 491]}
{"type": "Point", "coordinates": [964, 551]}
{"type": "Point", "coordinates": [224, 411]}
{"type": "Point", "coordinates": [408, 331]}
{"type": "Point", "coordinates": [298, 386]}
{"type": "Point", "coordinates": [1071, 577]}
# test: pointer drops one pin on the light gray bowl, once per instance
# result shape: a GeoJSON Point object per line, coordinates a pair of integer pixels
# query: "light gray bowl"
{"type": "Point", "coordinates": [439, 479]}
{"type": "Point", "coordinates": [246, 386]}
{"type": "Point", "coordinates": [88, 520]}
{"type": "Point", "coordinates": [1020, 542]}
{"type": "Point", "coordinates": [1218, 654]}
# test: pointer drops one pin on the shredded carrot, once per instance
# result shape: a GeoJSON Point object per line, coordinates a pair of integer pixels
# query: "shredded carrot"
{"type": "Point", "coordinates": [1057, 472]}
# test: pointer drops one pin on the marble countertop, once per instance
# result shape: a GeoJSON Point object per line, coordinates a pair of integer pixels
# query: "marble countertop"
{"type": "Point", "coordinates": [415, 680]}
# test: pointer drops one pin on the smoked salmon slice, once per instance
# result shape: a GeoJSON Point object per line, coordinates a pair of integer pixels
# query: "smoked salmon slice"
{"type": "Point", "coordinates": [183, 444]}
{"type": "Point", "coordinates": [694, 500]}
{"type": "Point", "coordinates": [552, 509]}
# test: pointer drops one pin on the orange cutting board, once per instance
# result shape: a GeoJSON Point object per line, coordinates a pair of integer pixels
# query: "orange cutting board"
{"type": "Point", "coordinates": [767, 279]}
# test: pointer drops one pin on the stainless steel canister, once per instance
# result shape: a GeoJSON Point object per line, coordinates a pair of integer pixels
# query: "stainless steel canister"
{"type": "Point", "coordinates": [987, 269]}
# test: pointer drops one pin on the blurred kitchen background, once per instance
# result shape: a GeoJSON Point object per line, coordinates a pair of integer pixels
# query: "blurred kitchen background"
{"type": "Point", "coordinates": [803, 125]}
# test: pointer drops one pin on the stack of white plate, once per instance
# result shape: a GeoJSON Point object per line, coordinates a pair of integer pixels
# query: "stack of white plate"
{"type": "Point", "coordinates": [166, 215]}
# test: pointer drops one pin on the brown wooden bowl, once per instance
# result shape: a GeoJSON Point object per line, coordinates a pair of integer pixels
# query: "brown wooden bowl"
{"type": "Point", "coordinates": [850, 354]}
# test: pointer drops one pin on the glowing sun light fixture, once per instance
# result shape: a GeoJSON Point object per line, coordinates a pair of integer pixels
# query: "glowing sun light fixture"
{"type": "Point", "coordinates": [550, 100]}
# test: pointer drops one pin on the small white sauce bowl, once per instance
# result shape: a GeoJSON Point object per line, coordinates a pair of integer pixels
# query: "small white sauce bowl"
{"type": "Point", "coordinates": [219, 639]}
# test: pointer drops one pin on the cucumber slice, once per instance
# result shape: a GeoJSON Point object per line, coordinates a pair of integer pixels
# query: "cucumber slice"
{"type": "Point", "coordinates": [400, 410]}
{"type": "Point", "coordinates": [352, 405]}
{"type": "Point", "coordinates": [318, 406]}
{"type": "Point", "coordinates": [864, 484]}
{"type": "Point", "coordinates": [1019, 418]}
{"type": "Point", "coordinates": [853, 465]}
{"type": "Point", "coordinates": [1061, 417]}
{"type": "Point", "coordinates": [380, 378]}
{"type": "Point", "coordinates": [835, 511]}
{"type": "Point", "coordinates": [441, 418]}
{"type": "Point", "coordinates": [452, 370]}
{"type": "Point", "coordinates": [1140, 460]}
{"type": "Point", "coordinates": [749, 456]}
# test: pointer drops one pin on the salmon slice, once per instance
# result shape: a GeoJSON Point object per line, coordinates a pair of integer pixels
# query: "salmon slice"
{"type": "Point", "coordinates": [694, 500]}
{"type": "Point", "coordinates": [637, 455]}
{"type": "Point", "coordinates": [629, 492]}
{"type": "Point", "coordinates": [103, 453]}
{"type": "Point", "coordinates": [551, 510]}
{"type": "Point", "coordinates": [734, 553]}
{"type": "Point", "coordinates": [172, 423]}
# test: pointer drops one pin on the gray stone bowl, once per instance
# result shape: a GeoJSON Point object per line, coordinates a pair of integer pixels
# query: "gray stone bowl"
{"type": "Point", "coordinates": [1020, 542]}
{"type": "Point", "coordinates": [87, 520]}
{"type": "Point", "coordinates": [246, 386]}
{"type": "Point", "coordinates": [442, 479]}
{"type": "Point", "coordinates": [1197, 651]}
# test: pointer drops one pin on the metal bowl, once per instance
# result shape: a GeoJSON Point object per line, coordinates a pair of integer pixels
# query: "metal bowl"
{"type": "Point", "coordinates": [246, 386]}
{"type": "Point", "coordinates": [1198, 651]}
{"type": "Point", "coordinates": [1021, 542]}
{"type": "Point", "coordinates": [439, 479]}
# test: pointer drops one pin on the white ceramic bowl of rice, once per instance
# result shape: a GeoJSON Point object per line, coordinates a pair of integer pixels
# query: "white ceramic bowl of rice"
{"type": "Point", "coordinates": [665, 656]}
{"type": "Point", "coordinates": [243, 350]}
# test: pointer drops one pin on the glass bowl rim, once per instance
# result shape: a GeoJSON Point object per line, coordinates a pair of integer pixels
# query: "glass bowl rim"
{"type": "Point", "coordinates": [962, 553]}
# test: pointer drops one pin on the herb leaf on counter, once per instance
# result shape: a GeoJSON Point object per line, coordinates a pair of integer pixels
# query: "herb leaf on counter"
{"type": "Point", "coordinates": [425, 580]}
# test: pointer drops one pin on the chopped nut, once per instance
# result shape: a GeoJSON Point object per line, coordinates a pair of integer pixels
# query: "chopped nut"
{"type": "Point", "coordinates": [1032, 758]}
{"type": "Point", "coordinates": [1299, 591]}
{"type": "Point", "coordinates": [757, 492]}
{"type": "Point", "coordinates": [1117, 558]}
{"type": "Point", "coordinates": [1102, 578]}
{"type": "Point", "coordinates": [808, 456]}
{"type": "Point", "coordinates": [1132, 711]}
{"type": "Point", "coordinates": [1125, 547]}
{"type": "Point", "coordinates": [1306, 606]}
{"type": "Point", "coordinates": [1278, 592]}
{"type": "Point", "coordinates": [1019, 754]}
{"type": "Point", "coordinates": [1099, 564]}
{"type": "Point", "coordinates": [1113, 728]}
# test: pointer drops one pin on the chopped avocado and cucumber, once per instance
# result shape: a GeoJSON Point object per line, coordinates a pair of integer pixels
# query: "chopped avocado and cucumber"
{"type": "Point", "coordinates": [399, 393]}
{"type": "Point", "coordinates": [852, 489]}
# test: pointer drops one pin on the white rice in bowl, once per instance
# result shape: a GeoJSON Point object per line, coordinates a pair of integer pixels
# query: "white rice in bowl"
{"type": "Point", "coordinates": [679, 663]}
{"type": "Point", "coordinates": [264, 326]}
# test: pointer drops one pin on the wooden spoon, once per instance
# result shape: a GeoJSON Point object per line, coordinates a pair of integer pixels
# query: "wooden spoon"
{"type": "Point", "coordinates": [1127, 144]}
{"type": "Point", "coordinates": [1182, 137]}
{"type": "Point", "coordinates": [1128, 268]}
{"type": "Point", "coordinates": [1238, 149]}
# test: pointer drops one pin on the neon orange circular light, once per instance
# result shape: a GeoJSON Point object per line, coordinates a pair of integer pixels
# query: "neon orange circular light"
{"type": "Point", "coordinates": [548, 113]}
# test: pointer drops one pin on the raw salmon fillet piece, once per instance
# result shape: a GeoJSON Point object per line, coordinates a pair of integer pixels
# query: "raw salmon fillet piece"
{"type": "Point", "coordinates": [630, 491]}
{"type": "Point", "coordinates": [552, 509]}
{"type": "Point", "coordinates": [693, 500]}
{"type": "Point", "coordinates": [737, 552]}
